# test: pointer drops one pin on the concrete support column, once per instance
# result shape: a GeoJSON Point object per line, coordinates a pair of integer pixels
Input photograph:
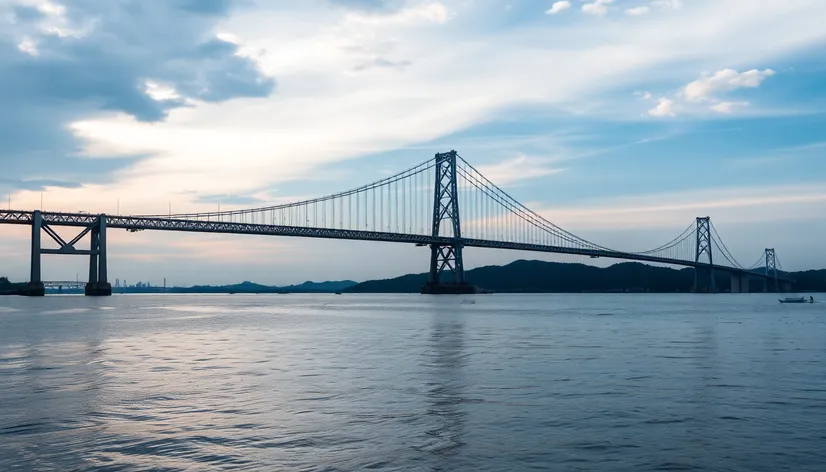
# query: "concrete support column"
{"type": "Point", "coordinates": [740, 283]}
{"type": "Point", "coordinates": [98, 285]}
{"type": "Point", "coordinates": [102, 267]}
{"type": "Point", "coordinates": [704, 280]}
{"type": "Point", "coordinates": [35, 286]}
{"type": "Point", "coordinates": [93, 258]}
{"type": "Point", "coordinates": [37, 224]}
{"type": "Point", "coordinates": [735, 283]}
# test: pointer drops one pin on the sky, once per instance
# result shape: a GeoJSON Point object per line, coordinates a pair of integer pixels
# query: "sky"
{"type": "Point", "coordinates": [619, 120]}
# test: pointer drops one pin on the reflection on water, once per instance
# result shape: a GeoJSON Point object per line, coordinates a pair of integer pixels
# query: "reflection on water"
{"type": "Point", "coordinates": [444, 389]}
{"type": "Point", "coordinates": [609, 383]}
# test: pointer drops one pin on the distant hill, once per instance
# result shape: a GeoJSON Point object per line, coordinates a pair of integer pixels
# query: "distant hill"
{"type": "Point", "coordinates": [518, 277]}
{"type": "Point", "coordinates": [251, 287]}
{"type": "Point", "coordinates": [809, 281]}
{"type": "Point", "coordinates": [7, 288]}
{"type": "Point", "coordinates": [336, 286]}
{"type": "Point", "coordinates": [552, 277]}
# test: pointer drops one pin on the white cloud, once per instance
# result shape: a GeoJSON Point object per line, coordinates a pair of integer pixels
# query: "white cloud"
{"type": "Point", "coordinates": [55, 20]}
{"type": "Point", "coordinates": [647, 96]}
{"type": "Point", "coordinates": [668, 4]}
{"type": "Point", "coordinates": [728, 107]}
{"type": "Point", "coordinates": [665, 107]}
{"type": "Point", "coordinates": [160, 92]}
{"type": "Point", "coordinates": [424, 12]}
{"type": "Point", "coordinates": [724, 81]}
{"type": "Point", "coordinates": [325, 115]}
{"type": "Point", "coordinates": [321, 115]}
{"type": "Point", "coordinates": [706, 90]}
{"type": "Point", "coordinates": [637, 11]}
{"type": "Point", "coordinates": [518, 169]}
{"type": "Point", "coordinates": [558, 7]}
{"type": "Point", "coordinates": [28, 46]}
{"type": "Point", "coordinates": [730, 205]}
{"type": "Point", "coordinates": [598, 7]}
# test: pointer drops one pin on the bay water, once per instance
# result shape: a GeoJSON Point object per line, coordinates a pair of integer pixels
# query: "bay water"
{"type": "Point", "coordinates": [410, 382]}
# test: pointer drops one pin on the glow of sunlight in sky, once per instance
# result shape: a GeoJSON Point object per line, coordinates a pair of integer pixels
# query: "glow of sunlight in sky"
{"type": "Point", "coordinates": [619, 120]}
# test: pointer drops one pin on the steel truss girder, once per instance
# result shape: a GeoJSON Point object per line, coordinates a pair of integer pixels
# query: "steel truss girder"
{"type": "Point", "coordinates": [69, 247]}
{"type": "Point", "coordinates": [196, 226]}
{"type": "Point", "coordinates": [66, 285]}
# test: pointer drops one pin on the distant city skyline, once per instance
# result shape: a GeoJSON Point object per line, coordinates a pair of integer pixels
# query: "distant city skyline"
{"type": "Point", "coordinates": [619, 120]}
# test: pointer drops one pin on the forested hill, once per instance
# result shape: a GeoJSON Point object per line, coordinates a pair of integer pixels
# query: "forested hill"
{"type": "Point", "coordinates": [554, 277]}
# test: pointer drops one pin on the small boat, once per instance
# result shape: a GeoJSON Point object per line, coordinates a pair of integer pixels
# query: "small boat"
{"type": "Point", "coordinates": [797, 300]}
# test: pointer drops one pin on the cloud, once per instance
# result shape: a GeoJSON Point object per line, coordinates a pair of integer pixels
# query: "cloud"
{"type": "Point", "coordinates": [518, 169]}
{"type": "Point", "coordinates": [97, 57]}
{"type": "Point", "coordinates": [728, 107]}
{"type": "Point", "coordinates": [370, 5]}
{"type": "Point", "coordinates": [381, 63]}
{"type": "Point", "coordinates": [724, 80]}
{"type": "Point", "coordinates": [38, 185]}
{"type": "Point", "coordinates": [416, 13]}
{"type": "Point", "coordinates": [598, 7]}
{"type": "Point", "coordinates": [231, 199]}
{"type": "Point", "coordinates": [326, 115]}
{"type": "Point", "coordinates": [206, 7]}
{"type": "Point", "coordinates": [637, 11]}
{"type": "Point", "coordinates": [706, 89]}
{"type": "Point", "coordinates": [729, 204]}
{"type": "Point", "coordinates": [27, 13]}
{"type": "Point", "coordinates": [665, 107]}
{"type": "Point", "coordinates": [558, 7]}
{"type": "Point", "coordinates": [668, 4]}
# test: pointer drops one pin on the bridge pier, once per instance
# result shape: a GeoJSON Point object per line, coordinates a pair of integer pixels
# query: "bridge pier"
{"type": "Point", "coordinates": [98, 277]}
{"type": "Point", "coordinates": [98, 285]}
{"type": "Point", "coordinates": [704, 280]}
{"type": "Point", "coordinates": [740, 283]}
{"type": "Point", "coordinates": [35, 287]}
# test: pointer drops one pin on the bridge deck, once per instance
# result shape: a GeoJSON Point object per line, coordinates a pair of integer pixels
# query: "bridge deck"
{"type": "Point", "coordinates": [136, 223]}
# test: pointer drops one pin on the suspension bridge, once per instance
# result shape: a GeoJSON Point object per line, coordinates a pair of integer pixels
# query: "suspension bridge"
{"type": "Point", "coordinates": [444, 204]}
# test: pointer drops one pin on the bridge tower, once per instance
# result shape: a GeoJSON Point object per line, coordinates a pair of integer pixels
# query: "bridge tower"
{"type": "Point", "coordinates": [771, 270]}
{"type": "Point", "coordinates": [446, 257]}
{"type": "Point", "coordinates": [704, 280]}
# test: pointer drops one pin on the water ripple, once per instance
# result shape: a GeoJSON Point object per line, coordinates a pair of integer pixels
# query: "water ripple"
{"type": "Point", "coordinates": [386, 383]}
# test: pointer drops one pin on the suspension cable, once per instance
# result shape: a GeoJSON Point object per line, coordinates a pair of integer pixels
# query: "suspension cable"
{"type": "Point", "coordinates": [725, 249]}
{"type": "Point", "coordinates": [423, 167]}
